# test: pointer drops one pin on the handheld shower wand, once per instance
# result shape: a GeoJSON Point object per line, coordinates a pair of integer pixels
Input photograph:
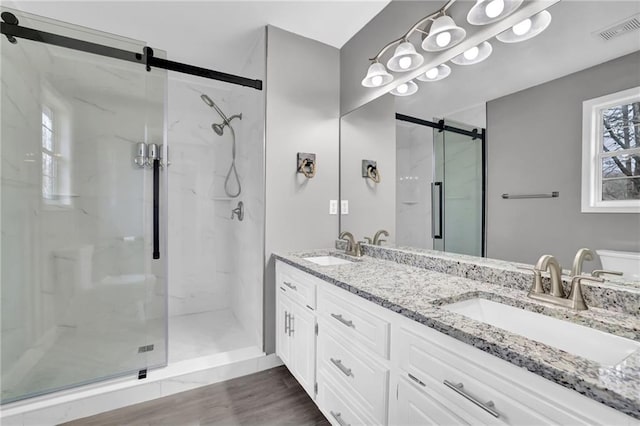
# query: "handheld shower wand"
{"type": "Point", "coordinates": [219, 129]}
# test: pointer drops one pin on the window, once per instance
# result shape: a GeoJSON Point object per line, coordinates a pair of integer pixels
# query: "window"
{"type": "Point", "coordinates": [55, 150]}
{"type": "Point", "coordinates": [611, 153]}
{"type": "Point", "coordinates": [49, 157]}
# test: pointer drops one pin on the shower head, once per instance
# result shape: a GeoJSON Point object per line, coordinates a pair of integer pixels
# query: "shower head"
{"type": "Point", "coordinates": [218, 128]}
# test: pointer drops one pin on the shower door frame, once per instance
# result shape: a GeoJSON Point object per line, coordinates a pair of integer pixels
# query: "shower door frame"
{"type": "Point", "coordinates": [11, 29]}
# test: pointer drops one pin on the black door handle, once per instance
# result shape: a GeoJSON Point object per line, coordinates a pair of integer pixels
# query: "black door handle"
{"type": "Point", "coordinates": [156, 209]}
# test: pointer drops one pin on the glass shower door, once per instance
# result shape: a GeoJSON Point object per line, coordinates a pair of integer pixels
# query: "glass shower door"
{"type": "Point", "coordinates": [457, 191]}
{"type": "Point", "coordinates": [82, 297]}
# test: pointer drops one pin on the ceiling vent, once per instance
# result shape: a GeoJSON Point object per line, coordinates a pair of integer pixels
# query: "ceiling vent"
{"type": "Point", "coordinates": [620, 28]}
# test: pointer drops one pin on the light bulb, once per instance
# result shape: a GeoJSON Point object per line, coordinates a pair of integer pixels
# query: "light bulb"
{"type": "Point", "coordinates": [432, 73]}
{"type": "Point", "coordinates": [377, 80]}
{"type": "Point", "coordinates": [404, 62]}
{"type": "Point", "coordinates": [494, 8]}
{"type": "Point", "coordinates": [403, 88]}
{"type": "Point", "coordinates": [472, 53]}
{"type": "Point", "coordinates": [443, 39]}
{"type": "Point", "coordinates": [522, 27]}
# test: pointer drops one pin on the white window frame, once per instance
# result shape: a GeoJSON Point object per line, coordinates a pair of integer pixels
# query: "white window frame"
{"type": "Point", "coordinates": [61, 126]}
{"type": "Point", "coordinates": [591, 163]}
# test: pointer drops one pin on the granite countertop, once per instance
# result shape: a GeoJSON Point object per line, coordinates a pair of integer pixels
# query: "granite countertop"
{"type": "Point", "coordinates": [418, 292]}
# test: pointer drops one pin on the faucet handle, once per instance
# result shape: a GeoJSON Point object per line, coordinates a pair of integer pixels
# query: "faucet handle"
{"type": "Point", "coordinates": [600, 272]}
{"type": "Point", "coordinates": [575, 295]}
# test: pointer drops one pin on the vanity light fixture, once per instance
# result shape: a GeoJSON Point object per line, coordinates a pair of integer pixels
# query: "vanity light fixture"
{"type": "Point", "coordinates": [526, 29]}
{"type": "Point", "coordinates": [488, 11]}
{"type": "Point", "coordinates": [436, 74]}
{"type": "Point", "coordinates": [444, 34]}
{"type": "Point", "coordinates": [377, 76]}
{"type": "Point", "coordinates": [405, 58]}
{"type": "Point", "coordinates": [474, 55]}
{"type": "Point", "coordinates": [405, 89]}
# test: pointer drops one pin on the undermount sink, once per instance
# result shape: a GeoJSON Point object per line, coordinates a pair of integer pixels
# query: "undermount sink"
{"type": "Point", "coordinates": [596, 345]}
{"type": "Point", "coordinates": [327, 260]}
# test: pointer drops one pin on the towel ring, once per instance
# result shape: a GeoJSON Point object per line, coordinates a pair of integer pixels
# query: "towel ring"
{"type": "Point", "coordinates": [307, 168]}
{"type": "Point", "coordinates": [373, 173]}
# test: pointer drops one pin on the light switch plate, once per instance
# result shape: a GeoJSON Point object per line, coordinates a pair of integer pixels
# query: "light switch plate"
{"type": "Point", "coordinates": [344, 206]}
{"type": "Point", "coordinates": [333, 206]}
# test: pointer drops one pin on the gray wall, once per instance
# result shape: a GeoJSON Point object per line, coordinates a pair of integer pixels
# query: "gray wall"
{"type": "Point", "coordinates": [303, 110]}
{"type": "Point", "coordinates": [387, 25]}
{"type": "Point", "coordinates": [534, 145]}
{"type": "Point", "coordinates": [369, 133]}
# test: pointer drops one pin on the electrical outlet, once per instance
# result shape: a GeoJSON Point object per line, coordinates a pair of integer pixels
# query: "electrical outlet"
{"type": "Point", "coordinates": [344, 206]}
{"type": "Point", "coordinates": [333, 206]}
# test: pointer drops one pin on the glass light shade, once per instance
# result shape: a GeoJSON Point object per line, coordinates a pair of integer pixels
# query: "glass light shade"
{"type": "Point", "coordinates": [539, 22]}
{"type": "Point", "coordinates": [405, 89]}
{"type": "Point", "coordinates": [441, 72]}
{"type": "Point", "coordinates": [488, 11]}
{"type": "Point", "coordinates": [377, 75]}
{"type": "Point", "coordinates": [444, 24]}
{"type": "Point", "coordinates": [471, 57]}
{"type": "Point", "coordinates": [405, 58]}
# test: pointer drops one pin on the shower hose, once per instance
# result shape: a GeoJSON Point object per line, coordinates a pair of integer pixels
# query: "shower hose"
{"type": "Point", "coordinates": [232, 169]}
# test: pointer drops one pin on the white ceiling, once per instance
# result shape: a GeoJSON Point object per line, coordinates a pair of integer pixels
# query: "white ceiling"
{"type": "Point", "coordinates": [212, 34]}
{"type": "Point", "coordinates": [567, 46]}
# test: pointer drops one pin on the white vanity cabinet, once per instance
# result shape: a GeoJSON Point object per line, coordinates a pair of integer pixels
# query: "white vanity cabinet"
{"type": "Point", "coordinates": [374, 366]}
{"type": "Point", "coordinates": [352, 358]}
{"type": "Point", "coordinates": [296, 324]}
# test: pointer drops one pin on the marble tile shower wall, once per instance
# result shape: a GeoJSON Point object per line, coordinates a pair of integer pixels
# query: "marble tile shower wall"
{"type": "Point", "coordinates": [200, 251]}
{"type": "Point", "coordinates": [414, 176]}
{"type": "Point", "coordinates": [248, 235]}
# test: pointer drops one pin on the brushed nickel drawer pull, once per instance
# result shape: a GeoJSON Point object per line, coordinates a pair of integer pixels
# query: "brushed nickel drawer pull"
{"type": "Point", "coordinates": [338, 363]}
{"type": "Point", "coordinates": [291, 318]}
{"type": "Point", "coordinates": [288, 284]}
{"type": "Point", "coordinates": [415, 379]}
{"type": "Point", "coordinates": [338, 417]}
{"type": "Point", "coordinates": [286, 322]}
{"type": "Point", "coordinates": [339, 317]}
{"type": "Point", "coordinates": [486, 406]}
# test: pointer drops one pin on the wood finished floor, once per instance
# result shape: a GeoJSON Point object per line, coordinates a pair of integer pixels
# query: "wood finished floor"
{"type": "Point", "coordinates": [271, 397]}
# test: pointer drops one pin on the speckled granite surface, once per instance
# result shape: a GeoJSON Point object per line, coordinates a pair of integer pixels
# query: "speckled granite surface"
{"type": "Point", "coordinates": [614, 294]}
{"type": "Point", "coordinates": [418, 293]}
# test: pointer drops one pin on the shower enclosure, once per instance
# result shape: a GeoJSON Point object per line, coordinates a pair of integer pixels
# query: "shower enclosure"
{"type": "Point", "coordinates": [457, 191]}
{"type": "Point", "coordinates": [82, 295]}
{"type": "Point", "coordinates": [116, 257]}
{"type": "Point", "coordinates": [441, 185]}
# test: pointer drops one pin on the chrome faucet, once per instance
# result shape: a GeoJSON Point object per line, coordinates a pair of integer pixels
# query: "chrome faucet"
{"type": "Point", "coordinates": [376, 238]}
{"type": "Point", "coordinates": [353, 248]}
{"type": "Point", "coordinates": [575, 300]}
{"type": "Point", "coordinates": [582, 255]}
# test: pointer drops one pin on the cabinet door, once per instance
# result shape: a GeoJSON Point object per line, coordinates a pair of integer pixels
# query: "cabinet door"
{"type": "Point", "coordinates": [283, 341]}
{"type": "Point", "coordinates": [303, 347]}
{"type": "Point", "coordinates": [414, 407]}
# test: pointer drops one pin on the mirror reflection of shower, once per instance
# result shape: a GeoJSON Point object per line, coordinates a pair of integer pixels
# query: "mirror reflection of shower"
{"type": "Point", "coordinates": [219, 130]}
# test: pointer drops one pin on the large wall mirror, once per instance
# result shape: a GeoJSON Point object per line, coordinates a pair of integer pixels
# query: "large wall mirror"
{"type": "Point", "coordinates": [437, 183]}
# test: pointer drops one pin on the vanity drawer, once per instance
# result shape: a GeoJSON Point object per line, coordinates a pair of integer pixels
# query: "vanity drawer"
{"type": "Point", "coordinates": [339, 409]}
{"type": "Point", "coordinates": [364, 377]}
{"type": "Point", "coordinates": [429, 365]}
{"type": "Point", "coordinates": [354, 322]}
{"type": "Point", "coordinates": [298, 285]}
